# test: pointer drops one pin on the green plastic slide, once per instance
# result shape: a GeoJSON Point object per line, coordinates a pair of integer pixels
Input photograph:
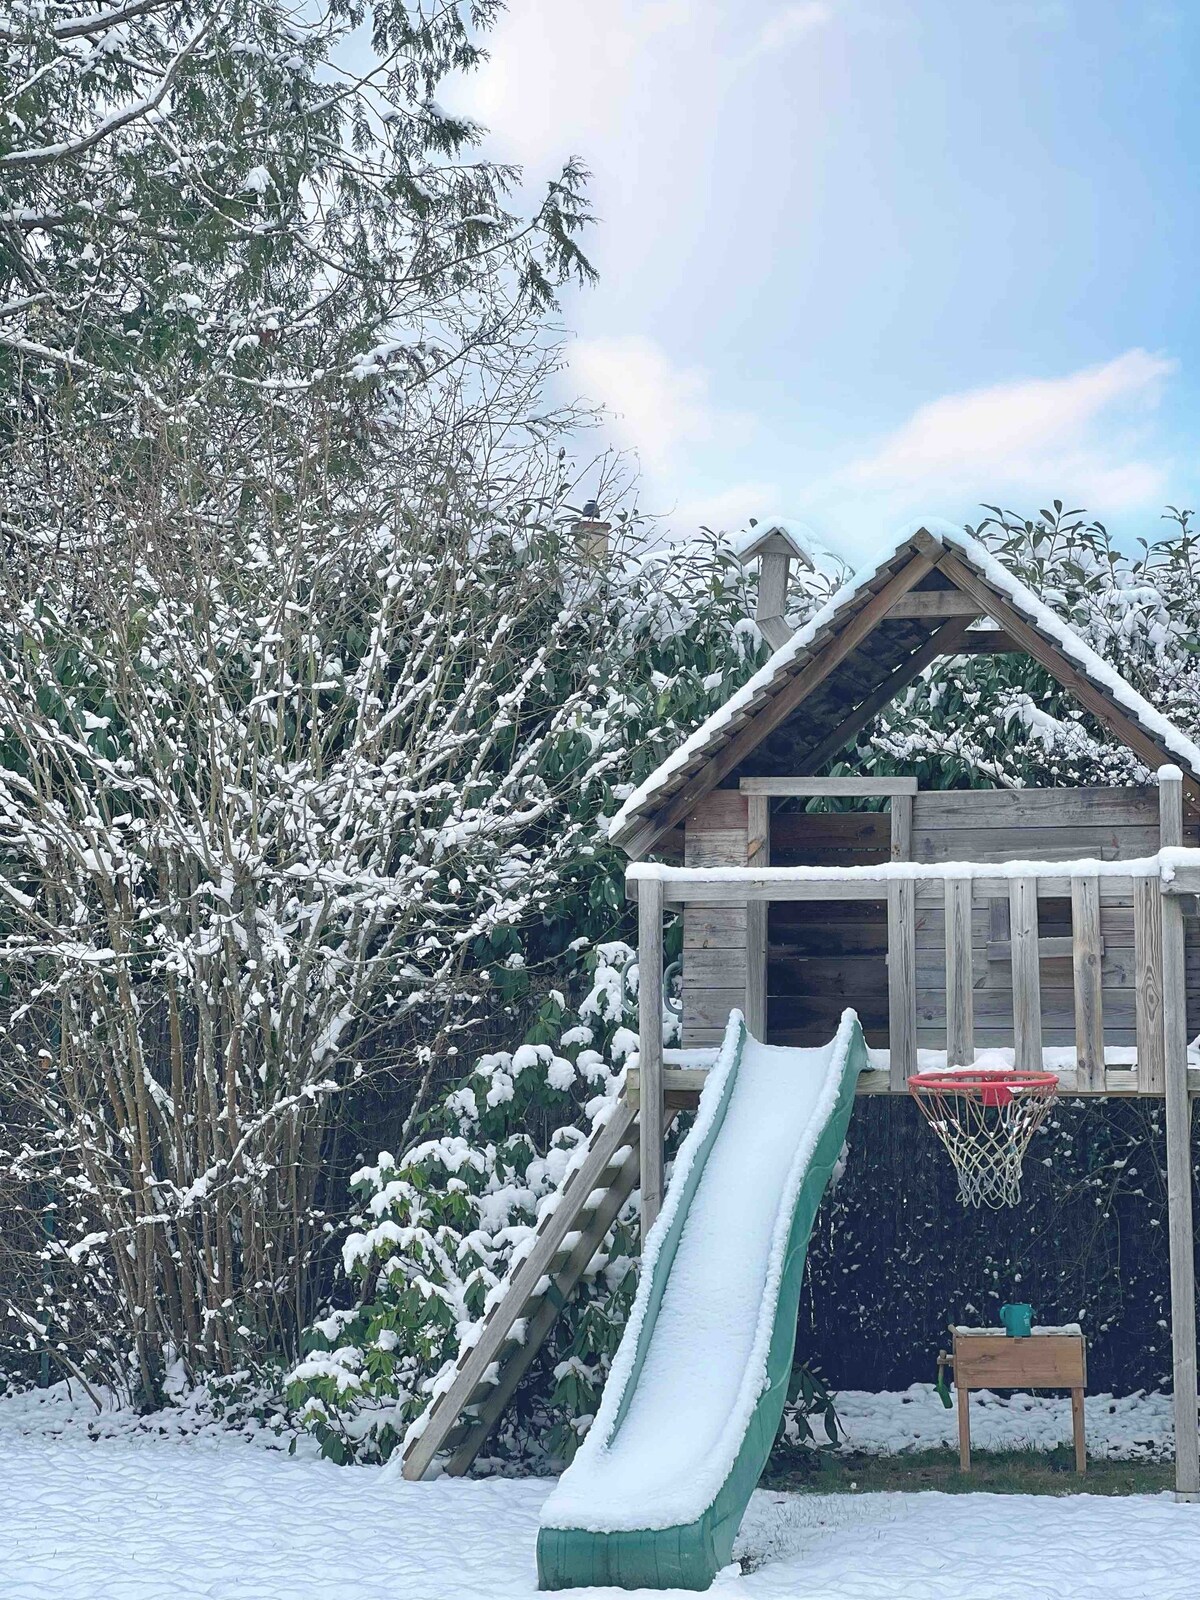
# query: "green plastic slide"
{"type": "Point", "coordinates": [657, 1491]}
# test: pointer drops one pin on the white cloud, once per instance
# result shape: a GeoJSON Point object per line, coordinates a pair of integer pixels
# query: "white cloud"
{"type": "Point", "coordinates": [656, 408]}
{"type": "Point", "coordinates": [789, 24]}
{"type": "Point", "coordinates": [562, 73]}
{"type": "Point", "coordinates": [1084, 436]}
{"type": "Point", "coordinates": [726, 510]}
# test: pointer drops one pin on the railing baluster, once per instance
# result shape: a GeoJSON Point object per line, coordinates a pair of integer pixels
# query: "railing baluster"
{"type": "Point", "coordinates": [1026, 974]}
{"type": "Point", "coordinates": [960, 975]}
{"type": "Point", "coordinates": [902, 952]}
{"type": "Point", "coordinates": [1089, 1003]}
{"type": "Point", "coordinates": [1148, 980]}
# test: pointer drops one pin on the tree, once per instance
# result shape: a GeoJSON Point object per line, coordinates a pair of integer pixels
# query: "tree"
{"type": "Point", "coordinates": [281, 511]}
{"type": "Point", "coordinates": [209, 199]}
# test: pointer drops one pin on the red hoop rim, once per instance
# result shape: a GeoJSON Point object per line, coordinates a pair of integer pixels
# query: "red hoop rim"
{"type": "Point", "coordinates": [968, 1079]}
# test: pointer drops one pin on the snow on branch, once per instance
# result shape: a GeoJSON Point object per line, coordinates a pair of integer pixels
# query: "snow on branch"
{"type": "Point", "coordinates": [43, 155]}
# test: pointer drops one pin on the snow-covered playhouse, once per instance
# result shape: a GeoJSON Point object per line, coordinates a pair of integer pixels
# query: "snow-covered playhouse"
{"type": "Point", "coordinates": [1052, 923]}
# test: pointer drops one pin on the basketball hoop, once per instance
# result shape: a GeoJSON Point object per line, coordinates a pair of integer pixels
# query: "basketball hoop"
{"type": "Point", "coordinates": [985, 1117]}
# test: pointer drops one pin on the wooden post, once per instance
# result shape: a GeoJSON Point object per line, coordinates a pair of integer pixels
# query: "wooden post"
{"type": "Point", "coordinates": [1026, 974]}
{"type": "Point", "coordinates": [902, 952]}
{"type": "Point", "coordinates": [758, 854]}
{"type": "Point", "coordinates": [1089, 1004]}
{"type": "Point", "coordinates": [772, 597]}
{"type": "Point", "coordinates": [963, 1397]}
{"type": "Point", "coordinates": [1179, 1154]}
{"type": "Point", "coordinates": [960, 975]}
{"type": "Point", "coordinates": [1078, 1431]}
{"type": "Point", "coordinates": [650, 1043]}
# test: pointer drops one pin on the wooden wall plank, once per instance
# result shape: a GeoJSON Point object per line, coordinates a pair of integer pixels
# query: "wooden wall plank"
{"type": "Point", "coordinates": [1118, 970]}
{"type": "Point", "coordinates": [758, 854]}
{"type": "Point", "coordinates": [709, 1008]}
{"type": "Point", "coordinates": [902, 827]}
{"type": "Point", "coordinates": [723, 848]}
{"type": "Point", "coordinates": [716, 834]}
{"type": "Point", "coordinates": [1066, 843]}
{"type": "Point", "coordinates": [992, 1006]}
{"type": "Point", "coordinates": [716, 969]}
{"type": "Point", "coordinates": [850, 978]}
{"type": "Point", "coordinates": [796, 834]}
{"type": "Point", "coordinates": [721, 810]}
{"type": "Point", "coordinates": [1135, 806]}
{"type": "Point", "coordinates": [714, 928]}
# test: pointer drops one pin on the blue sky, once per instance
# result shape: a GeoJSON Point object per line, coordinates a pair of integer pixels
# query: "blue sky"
{"type": "Point", "coordinates": [863, 260]}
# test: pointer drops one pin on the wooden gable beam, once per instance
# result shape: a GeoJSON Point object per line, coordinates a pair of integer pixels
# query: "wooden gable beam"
{"type": "Point", "coordinates": [946, 641]}
{"type": "Point", "coordinates": [927, 604]}
{"type": "Point", "coordinates": [1043, 650]}
{"type": "Point", "coordinates": [783, 703]}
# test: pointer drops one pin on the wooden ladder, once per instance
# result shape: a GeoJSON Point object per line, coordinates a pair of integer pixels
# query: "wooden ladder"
{"type": "Point", "coordinates": [566, 1238]}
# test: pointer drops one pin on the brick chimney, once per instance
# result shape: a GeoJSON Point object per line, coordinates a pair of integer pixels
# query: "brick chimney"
{"type": "Point", "coordinates": [591, 536]}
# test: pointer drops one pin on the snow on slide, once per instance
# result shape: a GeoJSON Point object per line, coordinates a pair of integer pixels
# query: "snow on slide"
{"type": "Point", "coordinates": [657, 1491]}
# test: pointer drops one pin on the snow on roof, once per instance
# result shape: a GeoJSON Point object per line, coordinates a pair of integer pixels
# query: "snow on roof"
{"type": "Point", "coordinates": [714, 732]}
{"type": "Point", "coordinates": [711, 731]}
{"type": "Point", "coordinates": [805, 543]}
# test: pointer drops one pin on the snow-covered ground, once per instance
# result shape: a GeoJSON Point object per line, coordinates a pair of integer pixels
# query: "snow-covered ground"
{"type": "Point", "coordinates": [143, 1520]}
{"type": "Point", "coordinates": [182, 1510]}
{"type": "Point", "coordinates": [1135, 1427]}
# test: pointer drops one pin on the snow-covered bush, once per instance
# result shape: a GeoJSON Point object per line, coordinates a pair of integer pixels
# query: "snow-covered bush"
{"type": "Point", "coordinates": [439, 1226]}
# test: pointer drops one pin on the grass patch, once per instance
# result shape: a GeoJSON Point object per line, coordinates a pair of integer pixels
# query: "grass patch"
{"type": "Point", "coordinates": [992, 1472]}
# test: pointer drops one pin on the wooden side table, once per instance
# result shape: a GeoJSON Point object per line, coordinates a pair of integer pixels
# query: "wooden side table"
{"type": "Point", "coordinates": [987, 1358]}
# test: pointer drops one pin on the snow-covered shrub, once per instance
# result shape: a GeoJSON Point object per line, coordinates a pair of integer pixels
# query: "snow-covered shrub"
{"type": "Point", "coordinates": [440, 1225]}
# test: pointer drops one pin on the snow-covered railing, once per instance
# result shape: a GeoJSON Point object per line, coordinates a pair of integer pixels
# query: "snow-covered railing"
{"type": "Point", "coordinates": [1176, 871]}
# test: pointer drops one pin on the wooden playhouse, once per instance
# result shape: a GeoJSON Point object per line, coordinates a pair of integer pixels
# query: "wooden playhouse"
{"type": "Point", "coordinates": [1055, 923]}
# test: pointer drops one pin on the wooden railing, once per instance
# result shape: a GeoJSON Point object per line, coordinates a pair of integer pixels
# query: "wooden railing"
{"type": "Point", "coordinates": [1153, 886]}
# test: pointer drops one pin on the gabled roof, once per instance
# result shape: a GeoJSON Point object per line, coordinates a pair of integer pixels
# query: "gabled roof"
{"type": "Point", "coordinates": [787, 535]}
{"type": "Point", "coordinates": [852, 656]}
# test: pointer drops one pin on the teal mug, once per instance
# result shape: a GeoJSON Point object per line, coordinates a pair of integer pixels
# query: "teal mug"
{"type": "Point", "coordinates": [1017, 1320]}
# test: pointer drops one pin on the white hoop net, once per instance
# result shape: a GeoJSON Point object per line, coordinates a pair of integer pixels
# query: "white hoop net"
{"type": "Point", "coordinates": [985, 1119]}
